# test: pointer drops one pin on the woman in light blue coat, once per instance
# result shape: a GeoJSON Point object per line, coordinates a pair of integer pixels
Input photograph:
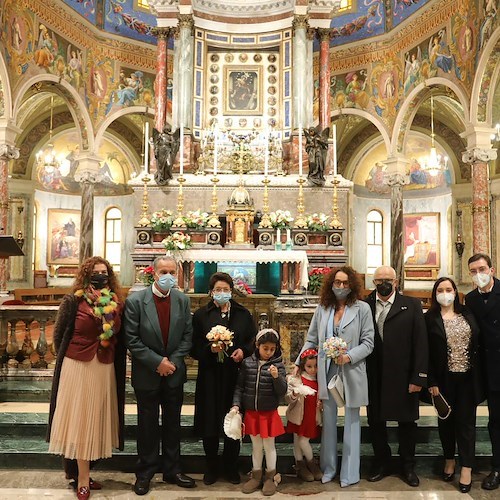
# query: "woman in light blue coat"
{"type": "Point", "coordinates": [342, 314]}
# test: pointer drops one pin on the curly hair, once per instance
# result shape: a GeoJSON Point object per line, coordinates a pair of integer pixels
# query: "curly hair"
{"type": "Point", "coordinates": [82, 279]}
{"type": "Point", "coordinates": [327, 297]}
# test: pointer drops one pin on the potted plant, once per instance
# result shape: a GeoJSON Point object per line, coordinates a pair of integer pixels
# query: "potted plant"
{"type": "Point", "coordinates": [316, 276]}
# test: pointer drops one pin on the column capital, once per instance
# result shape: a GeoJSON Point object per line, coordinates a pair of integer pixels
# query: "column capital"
{"type": "Point", "coordinates": [300, 22]}
{"type": "Point", "coordinates": [186, 21]}
{"type": "Point", "coordinates": [8, 152]}
{"type": "Point", "coordinates": [162, 33]}
{"type": "Point", "coordinates": [396, 179]}
{"type": "Point", "coordinates": [88, 177]}
{"type": "Point", "coordinates": [475, 155]}
{"type": "Point", "coordinates": [324, 34]}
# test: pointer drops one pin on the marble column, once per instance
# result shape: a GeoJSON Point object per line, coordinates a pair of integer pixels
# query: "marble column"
{"type": "Point", "coordinates": [324, 78]}
{"type": "Point", "coordinates": [183, 68]}
{"type": "Point", "coordinates": [7, 153]}
{"type": "Point", "coordinates": [479, 158]}
{"type": "Point", "coordinates": [162, 35]}
{"type": "Point", "coordinates": [300, 59]}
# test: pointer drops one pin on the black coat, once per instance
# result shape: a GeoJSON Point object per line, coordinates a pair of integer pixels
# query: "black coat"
{"type": "Point", "coordinates": [256, 388]}
{"type": "Point", "coordinates": [438, 355]}
{"type": "Point", "coordinates": [488, 317]}
{"type": "Point", "coordinates": [216, 381]}
{"type": "Point", "coordinates": [397, 361]}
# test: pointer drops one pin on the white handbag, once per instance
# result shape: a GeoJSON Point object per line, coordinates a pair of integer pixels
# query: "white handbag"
{"type": "Point", "coordinates": [336, 388]}
{"type": "Point", "coordinates": [233, 426]}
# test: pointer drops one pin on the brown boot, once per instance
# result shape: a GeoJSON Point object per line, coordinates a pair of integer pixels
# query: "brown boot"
{"type": "Point", "coordinates": [269, 487]}
{"type": "Point", "coordinates": [303, 472]}
{"type": "Point", "coordinates": [314, 469]}
{"type": "Point", "coordinates": [254, 483]}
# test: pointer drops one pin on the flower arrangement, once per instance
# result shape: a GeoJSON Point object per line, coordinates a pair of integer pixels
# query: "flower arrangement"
{"type": "Point", "coordinates": [334, 347]}
{"type": "Point", "coordinates": [196, 219]}
{"type": "Point", "coordinates": [317, 222]}
{"type": "Point", "coordinates": [281, 219]}
{"type": "Point", "coordinates": [220, 336]}
{"type": "Point", "coordinates": [316, 277]}
{"type": "Point", "coordinates": [161, 220]}
{"type": "Point", "coordinates": [177, 241]}
{"type": "Point", "coordinates": [148, 275]}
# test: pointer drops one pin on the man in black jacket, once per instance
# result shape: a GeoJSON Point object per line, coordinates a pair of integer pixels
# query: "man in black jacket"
{"type": "Point", "coordinates": [484, 302]}
{"type": "Point", "coordinates": [397, 371]}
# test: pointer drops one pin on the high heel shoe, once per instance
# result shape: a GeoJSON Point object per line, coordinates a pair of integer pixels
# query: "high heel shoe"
{"type": "Point", "coordinates": [464, 488]}
{"type": "Point", "coordinates": [83, 493]}
{"type": "Point", "coordinates": [448, 476]}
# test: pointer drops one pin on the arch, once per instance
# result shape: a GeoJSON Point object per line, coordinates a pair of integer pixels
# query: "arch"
{"type": "Point", "coordinates": [410, 106]}
{"type": "Point", "coordinates": [76, 106]}
{"type": "Point", "coordinates": [5, 86]}
{"type": "Point", "coordinates": [486, 78]}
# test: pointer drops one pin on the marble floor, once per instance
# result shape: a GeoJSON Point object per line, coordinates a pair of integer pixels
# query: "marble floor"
{"type": "Point", "coordinates": [41, 484]}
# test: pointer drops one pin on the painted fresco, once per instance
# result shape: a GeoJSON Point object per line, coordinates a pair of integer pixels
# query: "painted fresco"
{"type": "Point", "coordinates": [2, 99]}
{"type": "Point", "coordinates": [86, 8]}
{"type": "Point", "coordinates": [120, 18]}
{"type": "Point", "coordinates": [402, 9]}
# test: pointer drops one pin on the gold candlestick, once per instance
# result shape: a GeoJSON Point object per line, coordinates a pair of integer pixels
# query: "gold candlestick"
{"type": "Point", "coordinates": [179, 220]}
{"type": "Point", "coordinates": [265, 222]}
{"type": "Point", "coordinates": [300, 221]}
{"type": "Point", "coordinates": [214, 221]}
{"type": "Point", "coordinates": [335, 222]}
{"type": "Point", "coordinates": [144, 220]}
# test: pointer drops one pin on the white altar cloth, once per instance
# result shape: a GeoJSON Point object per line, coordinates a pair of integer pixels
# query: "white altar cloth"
{"type": "Point", "coordinates": [260, 256]}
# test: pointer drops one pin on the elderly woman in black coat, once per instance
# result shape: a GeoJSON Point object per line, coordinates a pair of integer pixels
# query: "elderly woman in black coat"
{"type": "Point", "coordinates": [216, 380]}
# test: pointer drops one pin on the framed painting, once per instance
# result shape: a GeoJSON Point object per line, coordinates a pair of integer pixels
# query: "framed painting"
{"type": "Point", "coordinates": [243, 90]}
{"type": "Point", "coordinates": [421, 245]}
{"type": "Point", "coordinates": [63, 237]}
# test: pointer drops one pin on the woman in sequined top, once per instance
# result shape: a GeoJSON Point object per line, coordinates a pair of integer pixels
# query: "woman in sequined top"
{"type": "Point", "coordinates": [454, 372]}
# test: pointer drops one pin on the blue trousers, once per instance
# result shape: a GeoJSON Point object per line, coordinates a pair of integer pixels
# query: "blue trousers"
{"type": "Point", "coordinates": [349, 471]}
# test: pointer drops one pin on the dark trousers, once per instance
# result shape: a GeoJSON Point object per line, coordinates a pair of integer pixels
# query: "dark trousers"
{"type": "Point", "coordinates": [230, 453]}
{"type": "Point", "coordinates": [460, 426]}
{"type": "Point", "coordinates": [494, 427]}
{"type": "Point", "coordinates": [382, 450]}
{"type": "Point", "coordinates": [149, 433]}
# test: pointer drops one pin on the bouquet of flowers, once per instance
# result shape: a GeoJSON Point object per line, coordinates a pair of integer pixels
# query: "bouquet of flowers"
{"type": "Point", "coordinates": [220, 336]}
{"type": "Point", "coordinates": [177, 241]}
{"type": "Point", "coordinates": [281, 219]}
{"type": "Point", "coordinates": [148, 275]}
{"type": "Point", "coordinates": [334, 347]}
{"type": "Point", "coordinates": [196, 219]}
{"type": "Point", "coordinates": [161, 220]}
{"type": "Point", "coordinates": [316, 278]}
{"type": "Point", "coordinates": [317, 222]}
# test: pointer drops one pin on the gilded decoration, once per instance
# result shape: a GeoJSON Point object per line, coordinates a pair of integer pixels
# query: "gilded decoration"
{"type": "Point", "coordinates": [2, 99]}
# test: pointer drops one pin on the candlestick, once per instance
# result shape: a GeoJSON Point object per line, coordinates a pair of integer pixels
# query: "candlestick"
{"type": "Point", "coordinates": [334, 149]}
{"type": "Point", "coordinates": [300, 221]}
{"type": "Point", "coordinates": [335, 222]}
{"type": "Point", "coordinates": [144, 220]}
{"type": "Point", "coordinates": [146, 147]}
{"type": "Point", "coordinates": [214, 221]}
{"type": "Point", "coordinates": [265, 222]}
{"type": "Point", "coordinates": [179, 220]}
{"type": "Point", "coordinates": [181, 159]}
{"type": "Point", "coordinates": [300, 150]}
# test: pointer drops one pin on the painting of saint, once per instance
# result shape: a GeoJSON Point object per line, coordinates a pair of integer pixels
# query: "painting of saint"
{"type": "Point", "coordinates": [243, 91]}
{"type": "Point", "coordinates": [63, 236]}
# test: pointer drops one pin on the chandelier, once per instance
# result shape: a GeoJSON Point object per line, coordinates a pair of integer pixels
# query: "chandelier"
{"type": "Point", "coordinates": [496, 136]}
{"type": "Point", "coordinates": [434, 163]}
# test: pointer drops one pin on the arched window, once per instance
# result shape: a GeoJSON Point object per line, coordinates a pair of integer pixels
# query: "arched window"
{"type": "Point", "coordinates": [374, 241]}
{"type": "Point", "coordinates": [113, 238]}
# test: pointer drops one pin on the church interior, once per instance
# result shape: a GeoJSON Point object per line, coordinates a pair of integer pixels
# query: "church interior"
{"type": "Point", "coordinates": [268, 139]}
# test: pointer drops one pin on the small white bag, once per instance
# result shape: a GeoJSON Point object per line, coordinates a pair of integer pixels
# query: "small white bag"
{"type": "Point", "coordinates": [233, 425]}
{"type": "Point", "coordinates": [336, 388]}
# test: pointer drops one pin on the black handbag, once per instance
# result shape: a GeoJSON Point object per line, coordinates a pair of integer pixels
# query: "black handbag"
{"type": "Point", "coordinates": [443, 409]}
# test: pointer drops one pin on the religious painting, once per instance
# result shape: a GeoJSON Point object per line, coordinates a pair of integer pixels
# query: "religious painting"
{"type": "Point", "coordinates": [63, 237]}
{"type": "Point", "coordinates": [421, 241]}
{"type": "Point", "coordinates": [243, 95]}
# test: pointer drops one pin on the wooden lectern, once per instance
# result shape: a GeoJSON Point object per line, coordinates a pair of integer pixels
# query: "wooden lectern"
{"type": "Point", "coordinates": [9, 247]}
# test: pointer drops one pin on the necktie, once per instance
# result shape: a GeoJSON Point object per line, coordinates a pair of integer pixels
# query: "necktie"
{"type": "Point", "coordinates": [381, 317]}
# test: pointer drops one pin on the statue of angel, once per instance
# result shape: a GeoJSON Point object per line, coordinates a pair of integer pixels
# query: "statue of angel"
{"type": "Point", "coordinates": [166, 145]}
{"type": "Point", "coordinates": [317, 148]}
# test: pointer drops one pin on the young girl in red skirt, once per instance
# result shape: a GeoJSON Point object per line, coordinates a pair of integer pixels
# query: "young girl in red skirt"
{"type": "Point", "coordinates": [261, 384]}
{"type": "Point", "coordinates": [304, 415]}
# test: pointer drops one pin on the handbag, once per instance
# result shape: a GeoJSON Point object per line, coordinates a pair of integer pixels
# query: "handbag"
{"type": "Point", "coordinates": [336, 388]}
{"type": "Point", "coordinates": [443, 409]}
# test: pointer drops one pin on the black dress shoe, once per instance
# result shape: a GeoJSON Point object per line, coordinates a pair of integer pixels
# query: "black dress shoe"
{"type": "Point", "coordinates": [411, 478]}
{"type": "Point", "coordinates": [492, 481]}
{"type": "Point", "coordinates": [181, 480]}
{"type": "Point", "coordinates": [232, 476]}
{"type": "Point", "coordinates": [141, 486]}
{"type": "Point", "coordinates": [464, 488]}
{"type": "Point", "coordinates": [448, 476]}
{"type": "Point", "coordinates": [378, 475]}
{"type": "Point", "coordinates": [210, 477]}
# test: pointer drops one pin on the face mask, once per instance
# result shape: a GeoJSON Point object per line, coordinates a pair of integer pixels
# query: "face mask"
{"type": "Point", "coordinates": [341, 293]}
{"type": "Point", "coordinates": [222, 297]}
{"type": "Point", "coordinates": [384, 289]}
{"type": "Point", "coordinates": [445, 299]}
{"type": "Point", "coordinates": [99, 281]}
{"type": "Point", "coordinates": [481, 279]}
{"type": "Point", "coordinates": [167, 281]}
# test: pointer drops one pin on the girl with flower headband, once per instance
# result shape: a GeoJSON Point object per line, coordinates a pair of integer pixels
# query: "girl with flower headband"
{"type": "Point", "coordinates": [88, 389]}
{"type": "Point", "coordinates": [261, 384]}
{"type": "Point", "coordinates": [304, 415]}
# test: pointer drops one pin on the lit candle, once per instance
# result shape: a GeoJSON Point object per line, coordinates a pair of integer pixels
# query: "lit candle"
{"type": "Point", "coordinates": [216, 146]}
{"type": "Point", "coordinates": [146, 147]}
{"type": "Point", "coordinates": [334, 149]}
{"type": "Point", "coordinates": [181, 159]}
{"type": "Point", "coordinates": [266, 161]}
{"type": "Point", "coordinates": [300, 150]}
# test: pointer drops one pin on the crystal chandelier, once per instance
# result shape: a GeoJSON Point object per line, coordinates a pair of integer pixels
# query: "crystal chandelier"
{"type": "Point", "coordinates": [46, 158]}
{"type": "Point", "coordinates": [434, 163]}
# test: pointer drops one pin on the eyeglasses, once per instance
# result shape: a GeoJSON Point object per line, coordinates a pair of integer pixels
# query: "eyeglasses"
{"type": "Point", "coordinates": [222, 290]}
{"type": "Point", "coordinates": [384, 280]}
{"type": "Point", "coordinates": [338, 283]}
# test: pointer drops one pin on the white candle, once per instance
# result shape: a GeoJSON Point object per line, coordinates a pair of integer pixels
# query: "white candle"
{"type": "Point", "coordinates": [266, 161]}
{"type": "Point", "coordinates": [146, 147]}
{"type": "Point", "coordinates": [288, 235]}
{"type": "Point", "coordinates": [181, 159]}
{"type": "Point", "coordinates": [216, 147]}
{"type": "Point", "coordinates": [278, 235]}
{"type": "Point", "coordinates": [334, 149]}
{"type": "Point", "coordinates": [300, 150]}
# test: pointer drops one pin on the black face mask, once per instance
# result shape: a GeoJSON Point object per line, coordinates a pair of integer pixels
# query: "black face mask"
{"type": "Point", "coordinates": [384, 289]}
{"type": "Point", "coordinates": [99, 281]}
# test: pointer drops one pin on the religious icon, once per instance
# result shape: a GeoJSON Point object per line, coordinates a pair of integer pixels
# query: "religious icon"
{"type": "Point", "coordinates": [243, 91]}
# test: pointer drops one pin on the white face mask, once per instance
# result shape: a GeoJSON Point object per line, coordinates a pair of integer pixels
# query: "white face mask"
{"type": "Point", "coordinates": [445, 299]}
{"type": "Point", "coordinates": [481, 279]}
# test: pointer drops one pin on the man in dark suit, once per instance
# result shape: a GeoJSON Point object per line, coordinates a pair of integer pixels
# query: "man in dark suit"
{"type": "Point", "coordinates": [158, 332]}
{"type": "Point", "coordinates": [484, 302]}
{"type": "Point", "coordinates": [397, 371]}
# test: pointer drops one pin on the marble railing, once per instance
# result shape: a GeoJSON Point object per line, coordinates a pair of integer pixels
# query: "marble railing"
{"type": "Point", "coordinates": [17, 349]}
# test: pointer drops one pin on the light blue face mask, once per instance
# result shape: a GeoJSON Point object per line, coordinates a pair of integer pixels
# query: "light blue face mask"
{"type": "Point", "coordinates": [166, 282]}
{"type": "Point", "coordinates": [222, 297]}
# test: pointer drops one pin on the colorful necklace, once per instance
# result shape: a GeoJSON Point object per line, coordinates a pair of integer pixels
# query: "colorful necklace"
{"type": "Point", "coordinates": [104, 304]}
